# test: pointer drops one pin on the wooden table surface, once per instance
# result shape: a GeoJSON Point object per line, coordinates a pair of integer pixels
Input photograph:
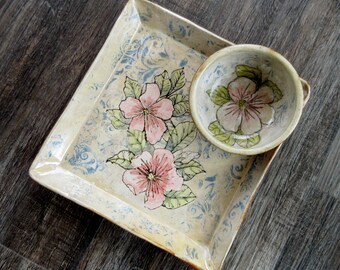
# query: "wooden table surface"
{"type": "Point", "coordinates": [45, 49]}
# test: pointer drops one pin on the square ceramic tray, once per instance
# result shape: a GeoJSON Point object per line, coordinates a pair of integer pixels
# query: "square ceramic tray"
{"type": "Point", "coordinates": [154, 175]}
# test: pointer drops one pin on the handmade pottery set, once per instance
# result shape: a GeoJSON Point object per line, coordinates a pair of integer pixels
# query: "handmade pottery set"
{"type": "Point", "coordinates": [171, 131]}
{"type": "Point", "coordinates": [255, 99]}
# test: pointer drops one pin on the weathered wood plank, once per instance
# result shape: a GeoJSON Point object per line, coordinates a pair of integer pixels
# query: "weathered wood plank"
{"type": "Point", "coordinates": [11, 260]}
{"type": "Point", "coordinates": [318, 221]}
{"type": "Point", "coordinates": [331, 170]}
{"type": "Point", "coordinates": [46, 48]}
{"type": "Point", "coordinates": [113, 248]}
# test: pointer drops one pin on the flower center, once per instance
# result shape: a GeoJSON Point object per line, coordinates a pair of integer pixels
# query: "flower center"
{"type": "Point", "coordinates": [145, 111]}
{"type": "Point", "coordinates": [151, 176]}
{"type": "Point", "coordinates": [242, 103]}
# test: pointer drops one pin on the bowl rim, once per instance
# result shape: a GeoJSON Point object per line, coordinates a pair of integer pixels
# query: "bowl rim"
{"type": "Point", "coordinates": [241, 47]}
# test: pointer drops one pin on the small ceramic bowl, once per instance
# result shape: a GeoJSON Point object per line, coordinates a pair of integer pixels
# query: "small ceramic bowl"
{"type": "Point", "coordinates": [246, 99]}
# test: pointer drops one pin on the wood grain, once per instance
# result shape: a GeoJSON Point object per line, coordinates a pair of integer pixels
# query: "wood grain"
{"type": "Point", "coordinates": [46, 48]}
{"type": "Point", "coordinates": [11, 260]}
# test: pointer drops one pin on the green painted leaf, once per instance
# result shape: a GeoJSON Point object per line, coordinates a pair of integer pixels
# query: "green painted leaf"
{"type": "Point", "coordinates": [276, 90]}
{"type": "Point", "coordinates": [117, 119]}
{"type": "Point", "coordinates": [163, 83]}
{"type": "Point", "coordinates": [250, 72]}
{"type": "Point", "coordinates": [215, 128]}
{"type": "Point", "coordinates": [249, 142]}
{"type": "Point", "coordinates": [221, 134]}
{"type": "Point", "coordinates": [181, 105]}
{"type": "Point", "coordinates": [177, 79]}
{"type": "Point", "coordinates": [136, 140]}
{"type": "Point", "coordinates": [219, 96]}
{"type": "Point", "coordinates": [176, 199]}
{"type": "Point", "coordinates": [239, 132]}
{"type": "Point", "coordinates": [181, 136]}
{"type": "Point", "coordinates": [123, 159]}
{"type": "Point", "coordinates": [189, 170]}
{"type": "Point", "coordinates": [132, 88]}
{"type": "Point", "coordinates": [166, 134]}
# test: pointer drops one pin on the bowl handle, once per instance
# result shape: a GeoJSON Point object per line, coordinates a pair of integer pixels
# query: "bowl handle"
{"type": "Point", "coordinates": [306, 91]}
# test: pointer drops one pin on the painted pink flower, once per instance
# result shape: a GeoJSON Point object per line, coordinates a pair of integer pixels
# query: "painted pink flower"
{"type": "Point", "coordinates": [147, 113]}
{"type": "Point", "coordinates": [248, 108]}
{"type": "Point", "coordinates": [153, 174]}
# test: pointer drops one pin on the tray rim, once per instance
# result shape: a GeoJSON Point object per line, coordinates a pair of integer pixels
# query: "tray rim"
{"type": "Point", "coordinates": [39, 175]}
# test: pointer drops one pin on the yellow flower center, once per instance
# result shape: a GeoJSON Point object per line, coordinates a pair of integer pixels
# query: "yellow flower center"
{"type": "Point", "coordinates": [242, 103]}
{"type": "Point", "coordinates": [151, 176]}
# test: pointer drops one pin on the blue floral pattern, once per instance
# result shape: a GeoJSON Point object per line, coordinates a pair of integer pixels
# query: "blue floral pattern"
{"type": "Point", "coordinates": [77, 152]}
{"type": "Point", "coordinates": [85, 160]}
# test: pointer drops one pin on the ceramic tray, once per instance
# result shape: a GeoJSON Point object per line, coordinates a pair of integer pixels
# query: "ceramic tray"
{"type": "Point", "coordinates": [126, 146]}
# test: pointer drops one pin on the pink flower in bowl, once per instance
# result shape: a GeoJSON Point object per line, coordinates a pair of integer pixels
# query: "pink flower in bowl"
{"type": "Point", "coordinates": [147, 113]}
{"type": "Point", "coordinates": [247, 109]}
{"type": "Point", "coordinates": [153, 174]}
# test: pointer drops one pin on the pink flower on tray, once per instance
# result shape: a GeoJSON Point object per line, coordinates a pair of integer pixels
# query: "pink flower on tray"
{"type": "Point", "coordinates": [153, 174]}
{"type": "Point", "coordinates": [247, 109]}
{"type": "Point", "coordinates": [148, 113]}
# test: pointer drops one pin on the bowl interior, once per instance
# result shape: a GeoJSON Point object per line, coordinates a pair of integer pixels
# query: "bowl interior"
{"type": "Point", "coordinates": [246, 99]}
